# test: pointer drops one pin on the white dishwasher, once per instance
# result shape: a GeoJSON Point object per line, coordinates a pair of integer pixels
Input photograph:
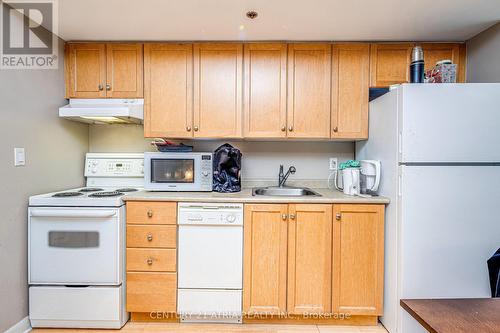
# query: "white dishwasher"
{"type": "Point", "coordinates": [210, 272]}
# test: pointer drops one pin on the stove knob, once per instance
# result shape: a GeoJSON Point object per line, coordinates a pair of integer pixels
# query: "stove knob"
{"type": "Point", "coordinates": [205, 173]}
{"type": "Point", "coordinates": [94, 170]}
{"type": "Point", "coordinates": [231, 218]}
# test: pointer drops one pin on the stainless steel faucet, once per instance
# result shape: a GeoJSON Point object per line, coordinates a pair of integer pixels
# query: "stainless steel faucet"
{"type": "Point", "coordinates": [283, 177]}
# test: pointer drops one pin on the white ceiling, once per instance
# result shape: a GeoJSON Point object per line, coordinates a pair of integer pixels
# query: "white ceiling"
{"type": "Point", "coordinates": [391, 20]}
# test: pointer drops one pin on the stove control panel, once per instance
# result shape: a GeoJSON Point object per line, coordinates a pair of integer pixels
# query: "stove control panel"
{"type": "Point", "coordinates": [114, 167]}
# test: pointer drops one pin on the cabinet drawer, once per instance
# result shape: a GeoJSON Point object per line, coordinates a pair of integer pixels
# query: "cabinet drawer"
{"type": "Point", "coordinates": [148, 292]}
{"type": "Point", "coordinates": [145, 212]}
{"type": "Point", "coordinates": [162, 236]}
{"type": "Point", "coordinates": [151, 260]}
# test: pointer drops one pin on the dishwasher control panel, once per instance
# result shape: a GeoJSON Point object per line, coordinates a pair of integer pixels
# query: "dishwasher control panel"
{"type": "Point", "coordinates": [210, 213]}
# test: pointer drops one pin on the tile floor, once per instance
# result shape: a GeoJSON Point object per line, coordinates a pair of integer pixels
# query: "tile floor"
{"type": "Point", "coordinates": [225, 328]}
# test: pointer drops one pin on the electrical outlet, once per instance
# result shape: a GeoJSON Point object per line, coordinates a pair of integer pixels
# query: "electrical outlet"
{"type": "Point", "coordinates": [333, 163]}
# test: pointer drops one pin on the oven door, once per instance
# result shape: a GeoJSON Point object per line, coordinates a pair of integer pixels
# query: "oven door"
{"type": "Point", "coordinates": [75, 246]}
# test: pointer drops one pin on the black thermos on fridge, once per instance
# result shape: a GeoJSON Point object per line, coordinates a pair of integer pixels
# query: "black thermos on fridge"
{"type": "Point", "coordinates": [417, 65]}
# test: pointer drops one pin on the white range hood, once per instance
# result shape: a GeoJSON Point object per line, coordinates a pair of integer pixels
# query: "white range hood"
{"type": "Point", "coordinates": [104, 111]}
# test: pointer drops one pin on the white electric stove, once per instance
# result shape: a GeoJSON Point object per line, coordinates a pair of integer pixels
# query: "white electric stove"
{"type": "Point", "coordinates": [76, 247]}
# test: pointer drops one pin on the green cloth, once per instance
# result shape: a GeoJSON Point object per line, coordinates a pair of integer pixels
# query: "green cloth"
{"type": "Point", "coordinates": [349, 164]}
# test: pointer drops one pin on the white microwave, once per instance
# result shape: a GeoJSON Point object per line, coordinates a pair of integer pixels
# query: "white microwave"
{"type": "Point", "coordinates": [178, 172]}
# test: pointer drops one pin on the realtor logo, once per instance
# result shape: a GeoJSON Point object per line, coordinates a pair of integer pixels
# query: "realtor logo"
{"type": "Point", "coordinates": [29, 34]}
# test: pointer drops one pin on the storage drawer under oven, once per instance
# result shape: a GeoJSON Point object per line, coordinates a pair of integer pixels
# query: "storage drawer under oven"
{"type": "Point", "coordinates": [80, 246]}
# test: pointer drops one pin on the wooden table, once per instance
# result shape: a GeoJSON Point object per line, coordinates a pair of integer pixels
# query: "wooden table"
{"type": "Point", "coordinates": [469, 315]}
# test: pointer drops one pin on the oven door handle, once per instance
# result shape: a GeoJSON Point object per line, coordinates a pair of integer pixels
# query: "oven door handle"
{"type": "Point", "coordinates": [72, 213]}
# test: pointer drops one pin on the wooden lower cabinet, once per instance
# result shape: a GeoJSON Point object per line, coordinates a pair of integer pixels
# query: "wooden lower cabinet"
{"type": "Point", "coordinates": [287, 258]}
{"type": "Point", "coordinates": [265, 258]}
{"type": "Point", "coordinates": [151, 292]}
{"type": "Point", "coordinates": [309, 258]}
{"type": "Point", "coordinates": [151, 258]}
{"type": "Point", "coordinates": [358, 259]}
{"type": "Point", "coordinates": [313, 258]}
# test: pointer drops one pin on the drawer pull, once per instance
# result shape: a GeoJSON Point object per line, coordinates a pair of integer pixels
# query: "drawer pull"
{"type": "Point", "coordinates": [284, 217]}
{"type": "Point", "coordinates": [150, 237]}
{"type": "Point", "coordinates": [292, 216]}
{"type": "Point", "coordinates": [150, 213]}
{"type": "Point", "coordinates": [338, 216]}
{"type": "Point", "coordinates": [149, 261]}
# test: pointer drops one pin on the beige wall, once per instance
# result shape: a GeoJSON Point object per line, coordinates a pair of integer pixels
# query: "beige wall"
{"type": "Point", "coordinates": [55, 151]}
{"type": "Point", "coordinates": [261, 160]}
{"type": "Point", "coordinates": [483, 56]}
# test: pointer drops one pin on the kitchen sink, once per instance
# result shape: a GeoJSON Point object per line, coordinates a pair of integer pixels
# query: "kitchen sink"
{"type": "Point", "coordinates": [285, 191]}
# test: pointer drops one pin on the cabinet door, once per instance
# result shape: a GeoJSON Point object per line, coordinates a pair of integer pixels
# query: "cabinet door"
{"type": "Point", "coordinates": [309, 89]}
{"type": "Point", "coordinates": [265, 91]}
{"type": "Point", "coordinates": [350, 85]}
{"type": "Point", "coordinates": [86, 68]}
{"type": "Point", "coordinates": [390, 64]}
{"type": "Point", "coordinates": [434, 52]}
{"type": "Point", "coordinates": [265, 259]}
{"type": "Point", "coordinates": [309, 258]}
{"type": "Point", "coordinates": [151, 292]}
{"type": "Point", "coordinates": [168, 90]}
{"type": "Point", "coordinates": [358, 259]}
{"type": "Point", "coordinates": [124, 71]}
{"type": "Point", "coordinates": [218, 90]}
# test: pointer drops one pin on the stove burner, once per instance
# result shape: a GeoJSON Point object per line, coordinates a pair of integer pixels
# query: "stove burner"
{"type": "Point", "coordinates": [67, 194]}
{"type": "Point", "coordinates": [127, 189]}
{"type": "Point", "coordinates": [91, 189]}
{"type": "Point", "coordinates": [105, 194]}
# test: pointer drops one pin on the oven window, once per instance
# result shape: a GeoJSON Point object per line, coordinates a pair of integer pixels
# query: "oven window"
{"type": "Point", "coordinates": [73, 239]}
{"type": "Point", "coordinates": [172, 170]}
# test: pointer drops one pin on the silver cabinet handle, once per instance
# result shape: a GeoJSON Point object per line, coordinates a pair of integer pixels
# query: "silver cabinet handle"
{"type": "Point", "coordinates": [150, 237]}
{"type": "Point", "coordinates": [338, 216]}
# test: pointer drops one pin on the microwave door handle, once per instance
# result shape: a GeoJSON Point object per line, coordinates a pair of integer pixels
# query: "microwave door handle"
{"type": "Point", "coordinates": [72, 213]}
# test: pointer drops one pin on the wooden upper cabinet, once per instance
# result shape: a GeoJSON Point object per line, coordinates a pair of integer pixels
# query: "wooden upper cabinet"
{"type": "Point", "coordinates": [265, 90]}
{"type": "Point", "coordinates": [309, 258]}
{"type": "Point", "coordinates": [124, 75]}
{"type": "Point", "coordinates": [97, 70]}
{"type": "Point", "coordinates": [86, 70]}
{"type": "Point", "coordinates": [265, 259]}
{"type": "Point", "coordinates": [390, 64]}
{"type": "Point", "coordinates": [358, 259]}
{"type": "Point", "coordinates": [350, 85]}
{"type": "Point", "coordinates": [434, 52]}
{"type": "Point", "coordinates": [168, 90]}
{"type": "Point", "coordinates": [218, 90]}
{"type": "Point", "coordinates": [309, 88]}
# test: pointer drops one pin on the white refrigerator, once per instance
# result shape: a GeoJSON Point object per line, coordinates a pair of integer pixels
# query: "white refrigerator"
{"type": "Point", "coordinates": [439, 145]}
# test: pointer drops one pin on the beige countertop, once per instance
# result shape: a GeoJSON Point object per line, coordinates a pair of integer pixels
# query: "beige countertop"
{"type": "Point", "coordinates": [245, 196]}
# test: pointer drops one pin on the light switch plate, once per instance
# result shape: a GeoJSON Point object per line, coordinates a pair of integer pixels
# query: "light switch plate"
{"type": "Point", "coordinates": [19, 157]}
